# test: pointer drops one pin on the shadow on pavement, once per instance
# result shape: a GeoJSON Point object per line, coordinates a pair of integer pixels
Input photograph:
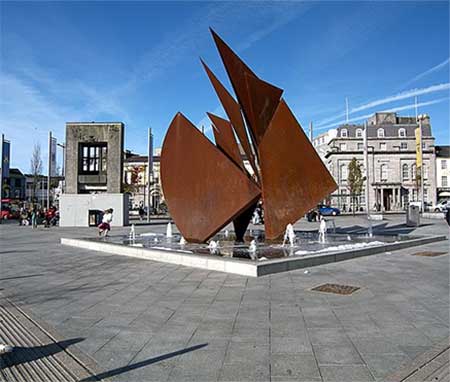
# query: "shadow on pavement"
{"type": "Point", "coordinates": [22, 277]}
{"type": "Point", "coordinates": [21, 355]}
{"type": "Point", "coordinates": [137, 365]}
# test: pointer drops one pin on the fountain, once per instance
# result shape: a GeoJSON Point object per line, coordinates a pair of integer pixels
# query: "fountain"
{"type": "Point", "coordinates": [183, 241]}
{"type": "Point", "coordinates": [132, 234]}
{"type": "Point", "coordinates": [213, 246]}
{"type": "Point", "coordinates": [169, 230]}
{"type": "Point", "coordinates": [322, 230]}
{"type": "Point", "coordinates": [289, 235]}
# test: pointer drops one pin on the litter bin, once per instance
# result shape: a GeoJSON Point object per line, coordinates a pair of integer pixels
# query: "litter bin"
{"type": "Point", "coordinates": [95, 217]}
{"type": "Point", "coordinates": [413, 216]}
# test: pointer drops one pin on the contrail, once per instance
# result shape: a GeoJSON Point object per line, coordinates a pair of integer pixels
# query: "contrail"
{"type": "Point", "coordinates": [406, 94]}
{"type": "Point", "coordinates": [400, 108]}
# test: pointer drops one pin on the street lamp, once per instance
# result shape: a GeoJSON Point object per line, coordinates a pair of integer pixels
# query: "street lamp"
{"type": "Point", "coordinates": [420, 119]}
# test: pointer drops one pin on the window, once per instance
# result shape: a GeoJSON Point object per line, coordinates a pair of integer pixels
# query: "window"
{"type": "Point", "coordinates": [425, 172]}
{"type": "Point", "coordinates": [403, 146]}
{"type": "Point", "coordinates": [443, 164]}
{"type": "Point", "coordinates": [444, 181]}
{"type": "Point", "coordinates": [343, 146]}
{"type": "Point", "coordinates": [359, 133]}
{"type": "Point", "coordinates": [360, 146]}
{"type": "Point", "coordinates": [425, 195]}
{"type": "Point", "coordinates": [383, 172]}
{"type": "Point", "coordinates": [380, 133]}
{"type": "Point", "coordinates": [405, 172]}
{"type": "Point", "coordinates": [344, 133]}
{"type": "Point", "coordinates": [413, 171]}
{"type": "Point", "coordinates": [383, 146]}
{"type": "Point", "coordinates": [93, 158]}
{"type": "Point", "coordinates": [344, 172]}
{"type": "Point", "coordinates": [402, 132]}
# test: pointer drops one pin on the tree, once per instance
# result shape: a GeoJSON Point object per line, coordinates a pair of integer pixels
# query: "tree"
{"type": "Point", "coordinates": [35, 168]}
{"type": "Point", "coordinates": [355, 181]}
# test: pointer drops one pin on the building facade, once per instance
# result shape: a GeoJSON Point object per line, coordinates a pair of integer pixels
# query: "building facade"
{"type": "Point", "coordinates": [94, 174]}
{"type": "Point", "coordinates": [14, 185]}
{"type": "Point", "coordinates": [393, 179]}
{"type": "Point", "coordinates": [443, 172]}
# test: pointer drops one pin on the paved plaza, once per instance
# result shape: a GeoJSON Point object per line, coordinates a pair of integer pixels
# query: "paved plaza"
{"type": "Point", "coordinates": [137, 320]}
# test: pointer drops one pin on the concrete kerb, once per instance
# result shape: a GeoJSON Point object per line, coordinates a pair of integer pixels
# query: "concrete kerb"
{"type": "Point", "coordinates": [240, 267]}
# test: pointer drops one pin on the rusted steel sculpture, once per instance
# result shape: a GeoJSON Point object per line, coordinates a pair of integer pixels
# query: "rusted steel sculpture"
{"type": "Point", "coordinates": [207, 187]}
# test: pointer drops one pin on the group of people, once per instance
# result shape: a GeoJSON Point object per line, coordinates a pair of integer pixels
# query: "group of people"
{"type": "Point", "coordinates": [35, 215]}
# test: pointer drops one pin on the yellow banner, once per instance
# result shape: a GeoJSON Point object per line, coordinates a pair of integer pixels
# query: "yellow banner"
{"type": "Point", "coordinates": [418, 147]}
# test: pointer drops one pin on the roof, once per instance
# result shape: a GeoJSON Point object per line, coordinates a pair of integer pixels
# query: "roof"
{"type": "Point", "coordinates": [443, 151]}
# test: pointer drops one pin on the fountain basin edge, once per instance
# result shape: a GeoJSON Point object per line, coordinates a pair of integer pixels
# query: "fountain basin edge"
{"type": "Point", "coordinates": [245, 268]}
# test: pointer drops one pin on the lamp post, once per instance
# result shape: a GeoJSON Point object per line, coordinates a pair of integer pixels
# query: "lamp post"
{"type": "Point", "coordinates": [420, 119]}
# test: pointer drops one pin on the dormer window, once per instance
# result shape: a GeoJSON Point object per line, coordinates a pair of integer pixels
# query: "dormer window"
{"type": "Point", "coordinates": [402, 132]}
{"type": "Point", "coordinates": [344, 133]}
{"type": "Point", "coordinates": [359, 133]}
{"type": "Point", "coordinates": [380, 133]}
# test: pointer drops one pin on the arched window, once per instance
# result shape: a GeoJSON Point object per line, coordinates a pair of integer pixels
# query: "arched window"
{"type": "Point", "coordinates": [380, 133]}
{"type": "Point", "coordinates": [344, 172]}
{"type": "Point", "coordinates": [413, 171]}
{"type": "Point", "coordinates": [344, 133]}
{"type": "Point", "coordinates": [359, 133]}
{"type": "Point", "coordinates": [405, 172]}
{"type": "Point", "coordinates": [383, 172]}
{"type": "Point", "coordinates": [402, 132]}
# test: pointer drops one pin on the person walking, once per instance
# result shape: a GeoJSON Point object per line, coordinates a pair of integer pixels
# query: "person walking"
{"type": "Point", "coordinates": [141, 213]}
{"type": "Point", "coordinates": [34, 217]}
{"type": "Point", "coordinates": [447, 216]}
{"type": "Point", "coordinates": [105, 225]}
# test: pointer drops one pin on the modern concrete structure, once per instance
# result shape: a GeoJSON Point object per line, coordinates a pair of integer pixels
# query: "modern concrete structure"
{"type": "Point", "coordinates": [443, 172]}
{"type": "Point", "coordinates": [392, 162]}
{"type": "Point", "coordinates": [14, 187]}
{"type": "Point", "coordinates": [94, 170]}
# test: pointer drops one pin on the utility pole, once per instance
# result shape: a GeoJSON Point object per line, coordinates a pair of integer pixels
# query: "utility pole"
{"type": "Point", "coordinates": [149, 172]}
{"type": "Point", "coordinates": [420, 118]}
{"type": "Point", "coordinates": [49, 170]}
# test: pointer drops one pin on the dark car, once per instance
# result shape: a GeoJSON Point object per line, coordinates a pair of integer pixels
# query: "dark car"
{"type": "Point", "coordinates": [329, 211]}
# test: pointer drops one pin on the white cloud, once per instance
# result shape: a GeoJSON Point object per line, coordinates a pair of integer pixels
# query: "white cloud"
{"type": "Point", "coordinates": [434, 69]}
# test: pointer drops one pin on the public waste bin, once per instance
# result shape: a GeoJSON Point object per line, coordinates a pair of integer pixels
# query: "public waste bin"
{"type": "Point", "coordinates": [95, 217]}
{"type": "Point", "coordinates": [413, 216]}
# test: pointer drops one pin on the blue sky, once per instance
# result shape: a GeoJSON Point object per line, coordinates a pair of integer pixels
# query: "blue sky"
{"type": "Point", "coordinates": [138, 62]}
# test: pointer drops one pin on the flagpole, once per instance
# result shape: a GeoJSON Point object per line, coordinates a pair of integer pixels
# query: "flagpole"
{"type": "Point", "coordinates": [149, 172]}
{"type": "Point", "coordinates": [49, 167]}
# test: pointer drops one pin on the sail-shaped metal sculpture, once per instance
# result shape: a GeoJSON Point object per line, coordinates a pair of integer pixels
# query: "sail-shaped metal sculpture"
{"type": "Point", "coordinates": [207, 186]}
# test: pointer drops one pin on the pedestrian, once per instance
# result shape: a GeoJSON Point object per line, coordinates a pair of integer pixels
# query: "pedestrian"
{"type": "Point", "coordinates": [141, 213]}
{"type": "Point", "coordinates": [105, 225]}
{"type": "Point", "coordinates": [447, 216]}
{"type": "Point", "coordinates": [34, 217]}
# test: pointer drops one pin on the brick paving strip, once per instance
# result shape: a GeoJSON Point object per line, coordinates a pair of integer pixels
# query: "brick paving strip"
{"type": "Point", "coordinates": [433, 365]}
{"type": "Point", "coordinates": [38, 353]}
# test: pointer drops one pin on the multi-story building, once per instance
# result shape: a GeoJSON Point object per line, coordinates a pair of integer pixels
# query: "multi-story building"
{"type": "Point", "coordinates": [135, 180]}
{"type": "Point", "coordinates": [443, 172]}
{"type": "Point", "coordinates": [14, 185]}
{"type": "Point", "coordinates": [393, 180]}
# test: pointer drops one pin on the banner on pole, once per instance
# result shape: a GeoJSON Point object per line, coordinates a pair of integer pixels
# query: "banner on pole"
{"type": "Point", "coordinates": [53, 157]}
{"type": "Point", "coordinates": [418, 134]}
{"type": "Point", "coordinates": [6, 158]}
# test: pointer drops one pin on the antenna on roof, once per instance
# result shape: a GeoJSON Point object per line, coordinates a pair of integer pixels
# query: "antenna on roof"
{"type": "Point", "coordinates": [416, 107]}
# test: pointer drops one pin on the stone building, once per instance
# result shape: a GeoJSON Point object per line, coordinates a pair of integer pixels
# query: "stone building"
{"type": "Point", "coordinates": [443, 172]}
{"type": "Point", "coordinates": [391, 162]}
{"type": "Point", "coordinates": [94, 171]}
{"type": "Point", "coordinates": [135, 177]}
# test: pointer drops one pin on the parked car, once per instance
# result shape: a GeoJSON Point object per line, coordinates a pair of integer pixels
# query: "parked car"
{"type": "Point", "coordinates": [441, 207]}
{"type": "Point", "coordinates": [329, 211]}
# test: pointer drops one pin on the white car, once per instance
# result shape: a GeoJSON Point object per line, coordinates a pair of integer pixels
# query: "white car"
{"type": "Point", "coordinates": [441, 207]}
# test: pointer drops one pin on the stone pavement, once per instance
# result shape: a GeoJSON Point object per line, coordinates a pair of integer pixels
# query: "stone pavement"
{"type": "Point", "coordinates": [147, 321]}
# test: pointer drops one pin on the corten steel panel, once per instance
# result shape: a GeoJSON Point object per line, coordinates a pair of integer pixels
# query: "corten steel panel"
{"type": "Point", "coordinates": [294, 178]}
{"type": "Point", "coordinates": [225, 140]}
{"type": "Point", "coordinates": [256, 97]}
{"type": "Point", "coordinates": [233, 111]}
{"type": "Point", "coordinates": [204, 189]}
{"type": "Point", "coordinates": [264, 100]}
{"type": "Point", "coordinates": [242, 221]}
